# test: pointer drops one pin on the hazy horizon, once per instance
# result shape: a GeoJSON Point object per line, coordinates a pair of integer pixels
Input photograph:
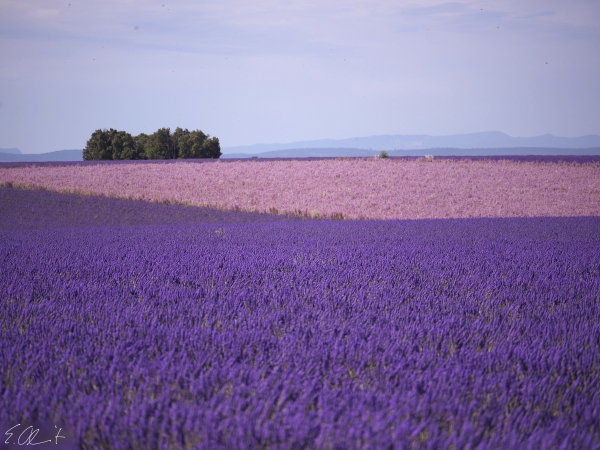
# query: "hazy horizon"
{"type": "Point", "coordinates": [484, 140]}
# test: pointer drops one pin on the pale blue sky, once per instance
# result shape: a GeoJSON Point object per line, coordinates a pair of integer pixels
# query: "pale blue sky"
{"type": "Point", "coordinates": [266, 71]}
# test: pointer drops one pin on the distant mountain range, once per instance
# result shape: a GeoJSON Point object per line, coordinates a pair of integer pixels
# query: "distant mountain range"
{"type": "Point", "coordinates": [10, 150]}
{"type": "Point", "coordinates": [15, 155]}
{"type": "Point", "coordinates": [485, 140]}
{"type": "Point", "coordinates": [359, 152]}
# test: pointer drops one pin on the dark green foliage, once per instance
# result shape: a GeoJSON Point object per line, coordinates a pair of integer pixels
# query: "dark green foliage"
{"type": "Point", "coordinates": [196, 144]}
{"type": "Point", "coordinates": [110, 144]}
{"type": "Point", "coordinates": [182, 143]}
{"type": "Point", "coordinates": [211, 148]}
{"type": "Point", "coordinates": [123, 146]}
{"type": "Point", "coordinates": [141, 142]}
{"type": "Point", "coordinates": [199, 145]}
{"type": "Point", "coordinates": [98, 146]}
{"type": "Point", "coordinates": [178, 136]}
{"type": "Point", "coordinates": [160, 145]}
{"type": "Point", "coordinates": [190, 144]}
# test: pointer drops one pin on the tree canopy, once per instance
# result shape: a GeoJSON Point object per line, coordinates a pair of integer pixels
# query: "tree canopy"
{"type": "Point", "coordinates": [162, 144]}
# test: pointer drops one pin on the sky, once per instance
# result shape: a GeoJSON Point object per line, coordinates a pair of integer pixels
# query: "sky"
{"type": "Point", "coordinates": [267, 71]}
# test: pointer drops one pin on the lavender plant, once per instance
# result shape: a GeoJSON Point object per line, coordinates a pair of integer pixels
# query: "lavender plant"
{"type": "Point", "coordinates": [164, 326]}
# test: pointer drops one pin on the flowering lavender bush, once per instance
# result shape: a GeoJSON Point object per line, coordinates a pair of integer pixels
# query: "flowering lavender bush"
{"type": "Point", "coordinates": [359, 188]}
{"type": "Point", "coordinates": [164, 326]}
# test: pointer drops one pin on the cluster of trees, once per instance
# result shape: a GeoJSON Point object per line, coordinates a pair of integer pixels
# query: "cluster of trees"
{"type": "Point", "coordinates": [113, 144]}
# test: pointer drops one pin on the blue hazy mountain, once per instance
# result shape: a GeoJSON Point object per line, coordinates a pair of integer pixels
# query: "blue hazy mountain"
{"type": "Point", "coordinates": [60, 155]}
{"type": "Point", "coordinates": [306, 153]}
{"type": "Point", "coordinates": [12, 151]}
{"type": "Point", "coordinates": [359, 152]}
{"type": "Point", "coordinates": [492, 139]}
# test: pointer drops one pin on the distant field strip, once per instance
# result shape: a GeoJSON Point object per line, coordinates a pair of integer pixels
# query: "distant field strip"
{"type": "Point", "coordinates": [352, 189]}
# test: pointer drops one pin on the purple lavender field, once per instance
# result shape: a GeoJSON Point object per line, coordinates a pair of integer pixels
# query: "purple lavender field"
{"type": "Point", "coordinates": [144, 325]}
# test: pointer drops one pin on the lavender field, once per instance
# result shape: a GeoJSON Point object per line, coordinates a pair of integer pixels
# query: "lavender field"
{"type": "Point", "coordinates": [350, 188]}
{"type": "Point", "coordinates": [147, 325]}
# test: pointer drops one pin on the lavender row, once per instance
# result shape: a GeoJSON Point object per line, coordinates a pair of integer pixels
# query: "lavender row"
{"type": "Point", "coordinates": [39, 208]}
{"type": "Point", "coordinates": [25, 209]}
{"type": "Point", "coordinates": [293, 334]}
{"type": "Point", "coordinates": [569, 159]}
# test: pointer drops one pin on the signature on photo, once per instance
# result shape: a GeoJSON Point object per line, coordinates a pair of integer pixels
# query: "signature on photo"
{"type": "Point", "coordinates": [28, 436]}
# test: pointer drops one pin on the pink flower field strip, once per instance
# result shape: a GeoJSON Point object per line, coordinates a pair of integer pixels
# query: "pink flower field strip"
{"type": "Point", "coordinates": [361, 188]}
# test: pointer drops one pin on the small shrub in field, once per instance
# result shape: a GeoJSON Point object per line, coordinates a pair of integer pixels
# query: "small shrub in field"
{"type": "Point", "coordinates": [383, 154]}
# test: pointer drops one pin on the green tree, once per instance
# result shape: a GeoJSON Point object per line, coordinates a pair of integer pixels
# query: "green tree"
{"type": "Point", "coordinates": [178, 137]}
{"type": "Point", "coordinates": [110, 144]}
{"type": "Point", "coordinates": [123, 146]}
{"type": "Point", "coordinates": [141, 141]}
{"type": "Point", "coordinates": [190, 144]}
{"type": "Point", "coordinates": [119, 145]}
{"type": "Point", "coordinates": [159, 145]}
{"type": "Point", "coordinates": [199, 145]}
{"type": "Point", "coordinates": [98, 146]}
{"type": "Point", "coordinates": [211, 148]}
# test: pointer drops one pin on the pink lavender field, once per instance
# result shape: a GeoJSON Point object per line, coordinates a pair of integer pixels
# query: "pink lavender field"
{"type": "Point", "coordinates": [348, 188]}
